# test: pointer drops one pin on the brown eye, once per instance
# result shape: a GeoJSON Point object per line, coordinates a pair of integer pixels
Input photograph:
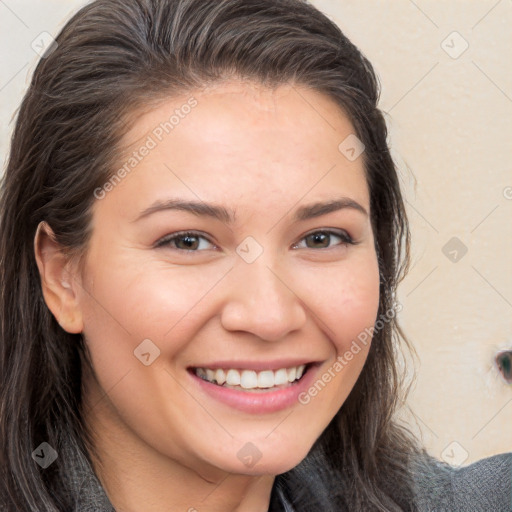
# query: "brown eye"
{"type": "Point", "coordinates": [190, 242]}
{"type": "Point", "coordinates": [184, 241]}
{"type": "Point", "coordinates": [322, 239]}
{"type": "Point", "coordinates": [319, 240]}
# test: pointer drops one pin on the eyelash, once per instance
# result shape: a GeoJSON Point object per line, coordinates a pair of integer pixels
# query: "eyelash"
{"type": "Point", "coordinates": [167, 240]}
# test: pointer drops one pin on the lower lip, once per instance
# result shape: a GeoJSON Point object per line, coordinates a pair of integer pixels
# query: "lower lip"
{"type": "Point", "coordinates": [258, 402]}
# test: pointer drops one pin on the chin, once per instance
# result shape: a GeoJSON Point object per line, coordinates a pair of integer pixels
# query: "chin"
{"type": "Point", "coordinates": [270, 467]}
{"type": "Point", "coordinates": [267, 461]}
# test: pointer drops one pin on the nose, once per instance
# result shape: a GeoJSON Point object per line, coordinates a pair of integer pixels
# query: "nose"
{"type": "Point", "coordinates": [262, 301]}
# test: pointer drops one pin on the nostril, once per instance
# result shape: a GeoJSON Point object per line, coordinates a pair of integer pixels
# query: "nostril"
{"type": "Point", "coordinates": [504, 362]}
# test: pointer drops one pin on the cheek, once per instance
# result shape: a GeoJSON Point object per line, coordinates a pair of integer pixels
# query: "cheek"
{"type": "Point", "coordinates": [346, 299]}
{"type": "Point", "coordinates": [132, 301]}
{"type": "Point", "coordinates": [347, 303]}
{"type": "Point", "coordinates": [359, 307]}
{"type": "Point", "coordinates": [136, 298]}
{"type": "Point", "coordinates": [145, 299]}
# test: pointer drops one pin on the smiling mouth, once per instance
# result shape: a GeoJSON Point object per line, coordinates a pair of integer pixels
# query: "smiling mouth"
{"type": "Point", "coordinates": [253, 381]}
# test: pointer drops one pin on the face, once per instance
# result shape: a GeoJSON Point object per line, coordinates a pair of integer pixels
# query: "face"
{"type": "Point", "coordinates": [257, 284]}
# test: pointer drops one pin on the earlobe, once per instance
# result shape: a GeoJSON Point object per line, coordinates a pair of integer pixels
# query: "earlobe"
{"type": "Point", "coordinates": [57, 282]}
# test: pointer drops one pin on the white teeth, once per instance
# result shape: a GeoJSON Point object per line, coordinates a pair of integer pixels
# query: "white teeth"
{"type": "Point", "coordinates": [266, 379]}
{"type": "Point", "coordinates": [220, 376]}
{"type": "Point", "coordinates": [233, 378]}
{"type": "Point", "coordinates": [280, 377]}
{"type": "Point", "coordinates": [250, 379]}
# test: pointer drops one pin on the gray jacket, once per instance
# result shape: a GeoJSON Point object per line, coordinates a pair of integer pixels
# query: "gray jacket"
{"type": "Point", "coordinates": [484, 486]}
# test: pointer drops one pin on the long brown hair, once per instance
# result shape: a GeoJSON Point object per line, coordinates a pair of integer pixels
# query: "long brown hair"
{"type": "Point", "coordinates": [112, 57]}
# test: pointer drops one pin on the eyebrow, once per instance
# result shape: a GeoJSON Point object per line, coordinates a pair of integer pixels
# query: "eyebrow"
{"type": "Point", "coordinates": [228, 216]}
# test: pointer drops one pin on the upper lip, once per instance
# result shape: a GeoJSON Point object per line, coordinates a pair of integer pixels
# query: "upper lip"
{"type": "Point", "coordinates": [276, 364]}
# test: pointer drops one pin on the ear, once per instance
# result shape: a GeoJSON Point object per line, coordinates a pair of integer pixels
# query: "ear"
{"type": "Point", "coordinates": [57, 282]}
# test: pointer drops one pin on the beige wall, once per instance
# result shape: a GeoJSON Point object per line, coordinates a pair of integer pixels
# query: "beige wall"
{"type": "Point", "coordinates": [451, 123]}
{"type": "Point", "coordinates": [450, 119]}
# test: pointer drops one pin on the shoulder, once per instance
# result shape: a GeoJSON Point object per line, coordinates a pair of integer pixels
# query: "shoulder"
{"type": "Point", "coordinates": [479, 487]}
{"type": "Point", "coordinates": [487, 483]}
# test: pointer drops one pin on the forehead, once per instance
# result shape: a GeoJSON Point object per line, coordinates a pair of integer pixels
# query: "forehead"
{"type": "Point", "coordinates": [237, 138]}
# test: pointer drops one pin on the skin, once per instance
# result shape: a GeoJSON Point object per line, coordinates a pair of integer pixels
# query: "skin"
{"type": "Point", "coordinates": [161, 440]}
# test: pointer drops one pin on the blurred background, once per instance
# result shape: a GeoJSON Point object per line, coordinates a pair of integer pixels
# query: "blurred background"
{"type": "Point", "coordinates": [444, 68]}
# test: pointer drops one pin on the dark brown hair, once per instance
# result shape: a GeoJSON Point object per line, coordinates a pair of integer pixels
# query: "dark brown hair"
{"type": "Point", "coordinates": [113, 57]}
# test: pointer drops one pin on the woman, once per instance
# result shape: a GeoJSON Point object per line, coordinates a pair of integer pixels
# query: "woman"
{"type": "Point", "coordinates": [202, 232]}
